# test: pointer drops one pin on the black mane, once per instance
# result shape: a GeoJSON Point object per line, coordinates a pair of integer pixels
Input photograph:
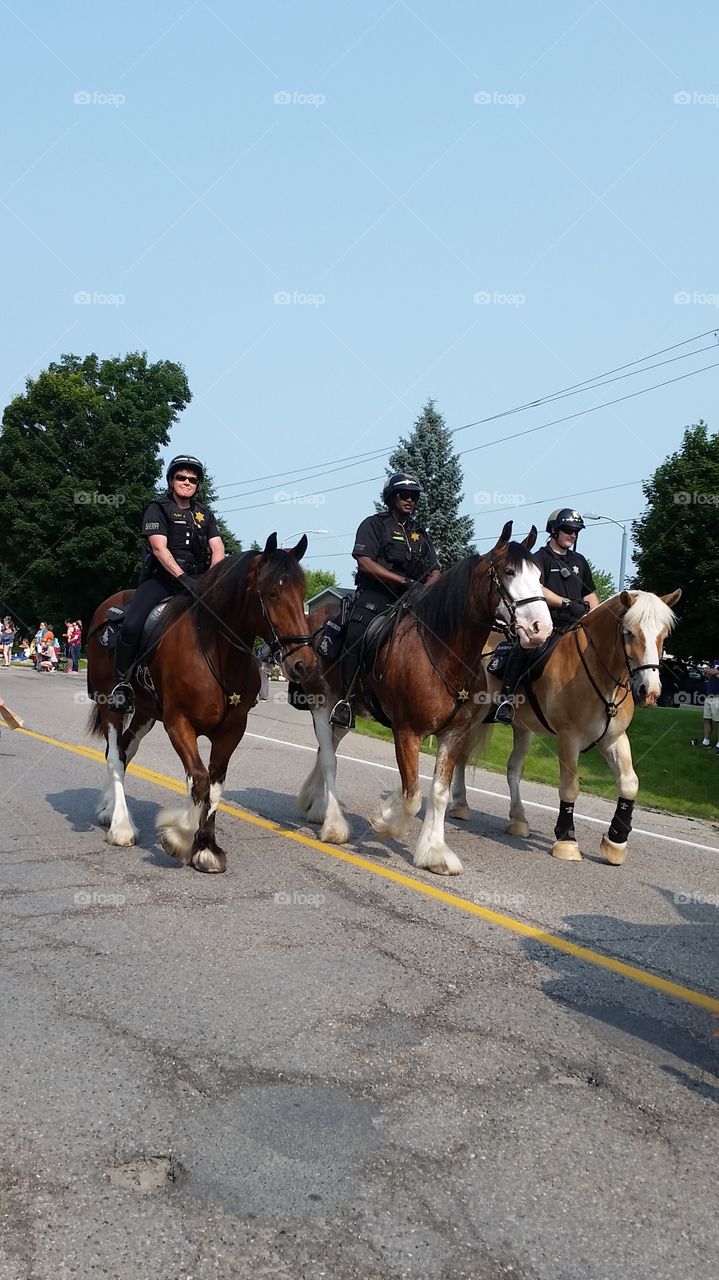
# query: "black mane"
{"type": "Point", "coordinates": [221, 588]}
{"type": "Point", "coordinates": [445, 608]}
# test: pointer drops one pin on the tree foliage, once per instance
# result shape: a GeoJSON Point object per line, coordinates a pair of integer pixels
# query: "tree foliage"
{"type": "Point", "coordinates": [603, 582]}
{"type": "Point", "coordinates": [427, 454]}
{"type": "Point", "coordinates": [677, 539]}
{"type": "Point", "coordinates": [79, 453]}
{"type": "Point", "coordinates": [318, 580]}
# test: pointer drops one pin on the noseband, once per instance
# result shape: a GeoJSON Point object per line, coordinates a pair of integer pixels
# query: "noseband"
{"type": "Point", "coordinates": [278, 643]}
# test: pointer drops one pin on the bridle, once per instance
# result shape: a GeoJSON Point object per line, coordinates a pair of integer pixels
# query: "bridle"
{"type": "Point", "coordinates": [279, 643]}
{"type": "Point", "coordinates": [510, 604]}
{"type": "Point", "coordinates": [611, 707]}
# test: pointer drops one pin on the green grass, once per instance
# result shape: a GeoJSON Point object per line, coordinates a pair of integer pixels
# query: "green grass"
{"type": "Point", "coordinates": [673, 776]}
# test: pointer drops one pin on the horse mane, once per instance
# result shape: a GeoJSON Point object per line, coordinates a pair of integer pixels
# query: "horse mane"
{"type": "Point", "coordinates": [650, 611]}
{"type": "Point", "coordinates": [445, 607]}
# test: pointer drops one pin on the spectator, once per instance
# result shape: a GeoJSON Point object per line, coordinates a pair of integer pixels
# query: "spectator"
{"type": "Point", "coordinates": [45, 651]}
{"type": "Point", "coordinates": [711, 703]}
{"type": "Point", "coordinates": [73, 637]}
{"type": "Point", "coordinates": [7, 636]}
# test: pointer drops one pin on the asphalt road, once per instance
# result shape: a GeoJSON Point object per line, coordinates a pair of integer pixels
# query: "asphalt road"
{"type": "Point", "coordinates": [306, 1069]}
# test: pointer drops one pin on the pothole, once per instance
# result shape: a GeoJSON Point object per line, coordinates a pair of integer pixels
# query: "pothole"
{"type": "Point", "coordinates": [144, 1173]}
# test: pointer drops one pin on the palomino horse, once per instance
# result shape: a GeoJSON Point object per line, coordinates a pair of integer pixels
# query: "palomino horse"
{"type": "Point", "coordinates": [206, 679]}
{"type": "Point", "coordinates": [586, 697]}
{"type": "Point", "coordinates": [428, 679]}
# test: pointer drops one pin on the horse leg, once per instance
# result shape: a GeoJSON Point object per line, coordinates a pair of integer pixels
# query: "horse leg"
{"type": "Point", "coordinates": [129, 742]}
{"type": "Point", "coordinates": [480, 734]}
{"type": "Point", "coordinates": [618, 755]}
{"type": "Point", "coordinates": [517, 825]}
{"type": "Point", "coordinates": [565, 845]}
{"type": "Point", "coordinates": [179, 827]}
{"type": "Point", "coordinates": [394, 815]}
{"type": "Point", "coordinates": [207, 854]}
{"type": "Point", "coordinates": [121, 830]}
{"type": "Point", "coordinates": [432, 854]}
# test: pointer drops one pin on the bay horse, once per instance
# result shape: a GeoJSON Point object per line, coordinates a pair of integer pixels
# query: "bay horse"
{"type": "Point", "coordinates": [206, 679]}
{"type": "Point", "coordinates": [428, 679]}
{"type": "Point", "coordinates": [585, 696]}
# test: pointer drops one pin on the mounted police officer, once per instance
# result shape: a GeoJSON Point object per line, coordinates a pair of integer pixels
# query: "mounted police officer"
{"type": "Point", "coordinates": [567, 586]}
{"type": "Point", "coordinates": [183, 541]}
{"type": "Point", "coordinates": [393, 552]}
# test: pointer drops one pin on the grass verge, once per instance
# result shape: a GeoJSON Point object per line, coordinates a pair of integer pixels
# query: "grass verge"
{"type": "Point", "coordinates": [673, 776]}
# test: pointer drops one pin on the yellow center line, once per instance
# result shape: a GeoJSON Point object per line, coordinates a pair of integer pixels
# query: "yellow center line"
{"type": "Point", "coordinates": [554, 940]}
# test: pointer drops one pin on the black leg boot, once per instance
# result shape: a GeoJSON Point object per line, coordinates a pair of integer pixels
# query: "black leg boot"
{"type": "Point", "coordinates": [512, 675]}
{"type": "Point", "coordinates": [122, 697]}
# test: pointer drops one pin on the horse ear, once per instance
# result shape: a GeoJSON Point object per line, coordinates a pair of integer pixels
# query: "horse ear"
{"type": "Point", "coordinates": [504, 537]}
{"type": "Point", "coordinates": [626, 599]}
{"type": "Point", "coordinates": [531, 538]}
{"type": "Point", "coordinates": [672, 598]}
{"type": "Point", "coordinates": [301, 547]}
{"type": "Point", "coordinates": [270, 545]}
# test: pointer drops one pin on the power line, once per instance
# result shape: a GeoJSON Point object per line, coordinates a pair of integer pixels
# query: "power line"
{"type": "Point", "coordinates": [600, 379]}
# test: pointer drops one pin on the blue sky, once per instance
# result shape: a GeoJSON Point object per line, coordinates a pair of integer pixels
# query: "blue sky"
{"type": "Point", "coordinates": [382, 166]}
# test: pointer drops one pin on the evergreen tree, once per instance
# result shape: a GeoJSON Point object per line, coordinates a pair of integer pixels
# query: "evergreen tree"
{"type": "Point", "coordinates": [677, 539]}
{"type": "Point", "coordinates": [79, 456]}
{"type": "Point", "coordinates": [427, 454]}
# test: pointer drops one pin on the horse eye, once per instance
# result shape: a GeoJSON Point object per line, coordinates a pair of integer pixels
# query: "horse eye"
{"type": "Point", "coordinates": [628, 635]}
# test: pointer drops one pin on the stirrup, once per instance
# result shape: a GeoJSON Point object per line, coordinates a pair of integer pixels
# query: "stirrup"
{"type": "Point", "coordinates": [342, 714]}
{"type": "Point", "coordinates": [122, 698]}
{"type": "Point", "coordinates": [504, 713]}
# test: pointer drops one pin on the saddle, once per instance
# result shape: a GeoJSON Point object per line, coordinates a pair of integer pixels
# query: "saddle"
{"type": "Point", "coordinates": [536, 659]}
{"type": "Point", "coordinates": [151, 631]}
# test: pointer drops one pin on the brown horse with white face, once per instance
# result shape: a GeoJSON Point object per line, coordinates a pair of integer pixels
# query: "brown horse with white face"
{"type": "Point", "coordinates": [206, 679]}
{"type": "Point", "coordinates": [428, 679]}
{"type": "Point", "coordinates": [586, 697]}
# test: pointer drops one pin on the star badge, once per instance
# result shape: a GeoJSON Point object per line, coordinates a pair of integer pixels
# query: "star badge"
{"type": "Point", "coordinates": [414, 537]}
{"type": "Point", "coordinates": [235, 699]}
{"type": "Point", "coordinates": [463, 695]}
{"type": "Point", "coordinates": [199, 517]}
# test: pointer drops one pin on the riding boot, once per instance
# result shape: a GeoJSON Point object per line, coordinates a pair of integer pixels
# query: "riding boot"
{"type": "Point", "coordinates": [342, 713]}
{"type": "Point", "coordinates": [512, 675]}
{"type": "Point", "coordinates": [122, 696]}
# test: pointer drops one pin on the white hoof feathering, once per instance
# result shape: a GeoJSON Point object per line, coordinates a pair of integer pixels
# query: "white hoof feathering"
{"type": "Point", "coordinates": [460, 810]}
{"type": "Point", "coordinates": [206, 860]}
{"type": "Point", "coordinates": [310, 801]}
{"type": "Point", "coordinates": [517, 828]}
{"type": "Point", "coordinates": [394, 815]}
{"type": "Point", "coordinates": [123, 834]}
{"type": "Point", "coordinates": [178, 827]}
{"type": "Point", "coordinates": [335, 830]}
{"type": "Point", "coordinates": [613, 853]}
{"type": "Point", "coordinates": [567, 850]}
{"type": "Point", "coordinates": [436, 857]}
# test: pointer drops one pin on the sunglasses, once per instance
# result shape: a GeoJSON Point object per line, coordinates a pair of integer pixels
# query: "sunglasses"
{"type": "Point", "coordinates": [186, 479]}
{"type": "Point", "coordinates": [564, 529]}
{"type": "Point", "coordinates": [406, 493]}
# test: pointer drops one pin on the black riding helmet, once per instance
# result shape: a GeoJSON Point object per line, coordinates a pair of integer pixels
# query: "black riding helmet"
{"type": "Point", "coordinates": [400, 480]}
{"type": "Point", "coordinates": [185, 460]}
{"type": "Point", "coordinates": [565, 518]}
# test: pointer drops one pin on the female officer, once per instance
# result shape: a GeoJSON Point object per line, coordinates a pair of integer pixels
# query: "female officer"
{"type": "Point", "coordinates": [183, 541]}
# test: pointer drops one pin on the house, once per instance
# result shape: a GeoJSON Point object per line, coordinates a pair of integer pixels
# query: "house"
{"type": "Point", "coordinates": [330, 596]}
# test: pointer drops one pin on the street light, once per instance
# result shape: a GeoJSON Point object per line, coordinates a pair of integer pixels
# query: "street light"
{"type": "Point", "coordinates": [592, 515]}
{"type": "Point", "coordinates": [290, 536]}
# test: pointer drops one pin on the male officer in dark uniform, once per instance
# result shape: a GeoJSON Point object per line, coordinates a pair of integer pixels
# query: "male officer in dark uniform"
{"type": "Point", "coordinates": [393, 552]}
{"type": "Point", "coordinates": [567, 586]}
{"type": "Point", "coordinates": [183, 541]}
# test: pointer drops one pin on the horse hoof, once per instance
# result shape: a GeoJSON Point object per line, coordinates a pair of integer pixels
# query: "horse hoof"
{"type": "Point", "coordinates": [613, 853]}
{"type": "Point", "coordinates": [122, 838]}
{"type": "Point", "coordinates": [209, 861]}
{"type": "Point", "coordinates": [171, 847]}
{"type": "Point", "coordinates": [567, 850]}
{"type": "Point", "coordinates": [521, 829]}
{"type": "Point", "coordinates": [461, 811]}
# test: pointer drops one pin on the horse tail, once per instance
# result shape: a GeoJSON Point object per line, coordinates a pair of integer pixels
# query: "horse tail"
{"type": "Point", "coordinates": [94, 722]}
{"type": "Point", "coordinates": [479, 744]}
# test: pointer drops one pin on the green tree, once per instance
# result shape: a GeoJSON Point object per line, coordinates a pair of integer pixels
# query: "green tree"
{"type": "Point", "coordinates": [208, 493]}
{"type": "Point", "coordinates": [603, 582]}
{"type": "Point", "coordinates": [318, 580]}
{"type": "Point", "coordinates": [427, 454]}
{"type": "Point", "coordinates": [677, 538]}
{"type": "Point", "coordinates": [79, 454]}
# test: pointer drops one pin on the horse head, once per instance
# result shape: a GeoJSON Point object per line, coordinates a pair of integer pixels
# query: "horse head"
{"type": "Point", "coordinates": [646, 622]}
{"type": "Point", "coordinates": [520, 593]}
{"type": "Point", "coordinates": [280, 586]}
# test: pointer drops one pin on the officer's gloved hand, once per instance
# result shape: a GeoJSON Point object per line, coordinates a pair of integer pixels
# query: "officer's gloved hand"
{"type": "Point", "coordinates": [577, 608]}
{"type": "Point", "coordinates": [188, 584]}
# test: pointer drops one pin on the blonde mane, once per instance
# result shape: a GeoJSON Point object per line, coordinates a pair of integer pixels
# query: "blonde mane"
{"type": "Point", "coordinates": [649, 612]}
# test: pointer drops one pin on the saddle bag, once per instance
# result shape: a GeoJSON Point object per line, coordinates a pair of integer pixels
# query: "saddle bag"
{"type": "Point", "coordinates": [331, 638]}
{"type": "Point", "coordinates": [109, 632]}
{"type": "Point", "coordinates": [499, 659]}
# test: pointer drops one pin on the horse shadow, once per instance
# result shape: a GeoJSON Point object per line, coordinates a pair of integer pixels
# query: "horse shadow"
{"type": "Point", "coordinates": [79, 807]}
{"type": "Point", "coordinates": [281, 807]}
{"type": "Point", "coordinates": [609, 1000]}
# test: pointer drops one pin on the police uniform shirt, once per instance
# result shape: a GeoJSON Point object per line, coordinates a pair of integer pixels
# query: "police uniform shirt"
{"type": "Point", "coordinates": [574, 583]}
{"type": "Point", "coordinates": [178, 525]}
{"type": "Point", "coordinates": [406, 549]}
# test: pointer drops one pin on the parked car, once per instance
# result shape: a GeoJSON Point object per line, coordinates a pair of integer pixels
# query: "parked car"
{"type": "Point", "coordinates": [683, 685]}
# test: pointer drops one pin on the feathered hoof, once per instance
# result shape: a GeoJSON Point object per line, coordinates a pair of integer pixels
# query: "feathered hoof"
{"type": "Point", "coordinates": [566, 850]}
{"type": "Point", "coordinates": [460, 810]}
{"type": "Point", "coordinates": [521, 829]}
{"type": "Point", "coordinates": [335, 833]}
{"type": "Point", "coordinates": [211, 861]}
{"type": "Point", "coordinates": [613, 853]}
{"type": "Point", "coordinates": [122, 837]}
{"type": "Point", "coordinates": [174, 847]}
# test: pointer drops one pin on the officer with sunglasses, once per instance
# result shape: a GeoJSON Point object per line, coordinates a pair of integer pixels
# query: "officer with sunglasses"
{"type": "Point", "coordinates": [393, 552]}
{"type": "Point", "coordinates": [183, 540]}
{"type": "Point", "coordinates": [568, 588]}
